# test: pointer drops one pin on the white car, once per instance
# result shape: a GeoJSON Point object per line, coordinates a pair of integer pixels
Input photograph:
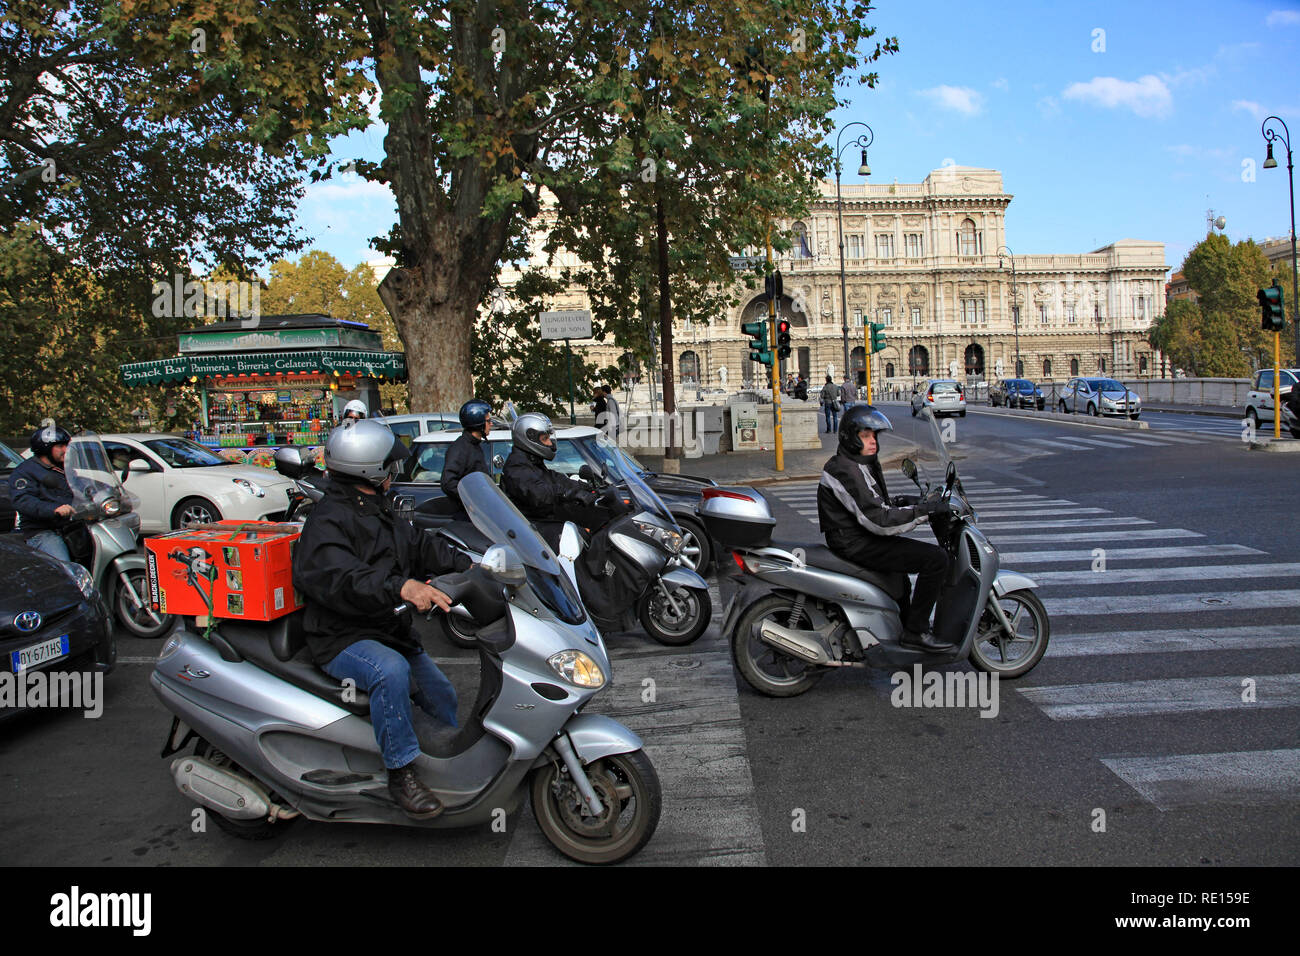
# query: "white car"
{"type": "Point", "coordinates": [179, 481]}
{"type": "Point", "coordinates": [1259, 403]}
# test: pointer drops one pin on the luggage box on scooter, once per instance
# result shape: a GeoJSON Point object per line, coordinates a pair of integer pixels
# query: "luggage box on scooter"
{"type": "Point", "coordinates": [736, 517]}
{"type": "Point", "coordinates": [246, 567]}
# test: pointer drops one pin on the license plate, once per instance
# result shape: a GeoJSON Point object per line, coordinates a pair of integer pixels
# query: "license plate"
{"type": "Point", "coordinates": [37, 654]}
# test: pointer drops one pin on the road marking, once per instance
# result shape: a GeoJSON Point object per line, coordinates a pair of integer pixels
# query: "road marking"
{"type": "Point", "coordinates": [1101, 643]}
{"type": "Point", "coordinates": [1239, 778]}
{"type": "Point", "coordinates": [1174, 603]}
{"type": "Point", "coordinates": [1055, 443]}
{"type": "Point", "coordinates": [1179, 439]}
{"type": "Point", "coordinates": [1141, 534]}
{"type": "Point", "coordinates": [1209, 572]}
{"type": "Point", "coordinates": [1064, 523]}
{"type": "Point", "coordinates": [137, 660]}
{"type": "Point", "coordinates": [992, 512]}
{"type": "Point", "coordinates": [1010, 558]}
{"type": "Point", "coordinates": [1168, 696]}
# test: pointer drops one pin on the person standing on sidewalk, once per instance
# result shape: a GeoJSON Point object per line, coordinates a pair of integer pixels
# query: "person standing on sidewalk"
{"type": "Point", "coordinates": [614, 419]}
{"type": "Point", "coordinates": [848, 393]}
{"type": "Point", "coordinates": [831, 404]}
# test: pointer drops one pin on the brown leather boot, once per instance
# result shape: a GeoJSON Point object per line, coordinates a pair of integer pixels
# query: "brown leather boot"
{"type": "Point", "coordinates": [410, 793]}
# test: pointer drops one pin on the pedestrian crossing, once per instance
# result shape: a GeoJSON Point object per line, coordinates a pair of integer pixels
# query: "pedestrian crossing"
{"type": "Point", "coordinates": [1084, 440]}
{"type": "Point", "coordinates": [1117, 585]}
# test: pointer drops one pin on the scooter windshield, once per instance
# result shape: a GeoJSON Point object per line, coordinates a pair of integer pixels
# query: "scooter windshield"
{"type": "Point", "coordinates": [97, 491]}
{"type": "Point", "coordinates": [621, 473]}
{"type": "Point", "coordinates": [919, 438]}
{"type": "Point", "coordinates": [493, 514]}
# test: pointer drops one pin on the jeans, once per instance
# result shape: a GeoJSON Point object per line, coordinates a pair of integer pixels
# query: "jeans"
{"type": "Point", "coordinates": [51, 543]}
{"type": "Point", "coordinates": [832, 417]}
{"type": "Point", "coordinates": [385, 674]}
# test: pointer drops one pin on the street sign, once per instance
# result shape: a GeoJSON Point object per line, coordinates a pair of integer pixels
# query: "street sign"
{"type": "Point", "coordinates": [571, 324]}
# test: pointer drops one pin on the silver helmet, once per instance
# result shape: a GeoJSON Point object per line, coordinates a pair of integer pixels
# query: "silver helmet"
{"type": "Point", "coordinates": [355, 407]}
{"type": "Point", "coordinates": [364, 451]}
{"type": "Point", "coordinates": [527, 432]}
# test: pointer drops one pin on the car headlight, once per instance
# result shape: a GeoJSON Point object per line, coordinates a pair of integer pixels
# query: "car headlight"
{"type": "Point", "coordinates": [577, 668]}
{"type": "Point", "coordinates": [253, 489]}
{"type": "Point", "coordinates": [81, 577]}
{"type": "Point", "coordinates": [667, 537]}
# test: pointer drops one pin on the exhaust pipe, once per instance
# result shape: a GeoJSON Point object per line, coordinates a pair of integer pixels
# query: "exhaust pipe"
{"type": "Point", "coordinates": [230, 794]}
{"type": "Point", "coordinates": [796, 643]}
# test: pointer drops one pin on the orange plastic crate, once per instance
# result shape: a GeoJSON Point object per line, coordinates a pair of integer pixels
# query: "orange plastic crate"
{"type": "Point", "coordinates": [252, 562]}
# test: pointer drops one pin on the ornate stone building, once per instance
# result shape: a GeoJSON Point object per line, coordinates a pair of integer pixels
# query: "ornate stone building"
{"type": "Point", "coordinates": [922, 258]}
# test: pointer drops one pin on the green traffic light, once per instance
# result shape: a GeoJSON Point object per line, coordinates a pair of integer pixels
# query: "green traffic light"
{"type": "Point", "coordinates": [1272, 309]}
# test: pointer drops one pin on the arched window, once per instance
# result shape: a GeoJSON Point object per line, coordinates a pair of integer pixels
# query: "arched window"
{"type": "Point", "coordinates": [1074, 366]}
{"type": "Point", "coordinates": [968, 240]}
{"type": "Point", "coordinates": [1047, 368]}
{"type": "Point", "coordinates": [1142, 364]}
{"type": "Point", "coordinates": [889, 370]}
{"type": "Point", "coordinates": [802, 243]}
{"type": "Point", "coordinates": [918, 360]}
{"type": "Point", "coordinates": [858, 365]}
{"type": "Point", "coordinates": [688, 368]}
{"type": "Point", "coordinates": [974, 360]}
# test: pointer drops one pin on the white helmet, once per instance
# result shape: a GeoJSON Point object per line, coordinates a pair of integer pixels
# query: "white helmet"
{"type": "Point", "coordinates": [356, 406]}
{"type": "Point", "coordinates": [365, 451]}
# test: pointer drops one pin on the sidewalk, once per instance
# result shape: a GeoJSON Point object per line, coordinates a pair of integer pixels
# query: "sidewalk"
{"type": "Point", "coordinates": [1214, 411]}
{"type": "Point", "coordinates": [753, 467]}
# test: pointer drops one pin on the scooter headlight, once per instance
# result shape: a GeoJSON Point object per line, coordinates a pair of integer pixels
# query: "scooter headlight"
{"type": "Point", "coordinates": [577, 668]}
{"type": "Point", "coordinates": [171, 647]}
{"type": "Point", "coordinates": [669, 539]}
{"type": "Point", "coordinates": [111, 507]}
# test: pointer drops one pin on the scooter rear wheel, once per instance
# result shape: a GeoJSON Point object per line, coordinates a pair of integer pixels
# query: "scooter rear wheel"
{"type": "Point", "coordinates": [766, 669]}
{"type": "Point", "coordinates": [994, 653]}
{"type": "Point", "coordinates": [629, 792]}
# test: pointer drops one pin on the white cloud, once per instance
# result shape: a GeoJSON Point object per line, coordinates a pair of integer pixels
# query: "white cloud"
{"type": "Point", "coordinates": [1049, 107]}
{"type": "Point", "coordinates": [1283, 18]}
{"type": "Point", "coordinates": [1186, 151]}
{"type": "Point", "coordinates": [347, 188]}
{"type": "Point", "coordinates": [962, 99]}
{"type": "Point", "coordinates": [1147, 96]}
{"type": "Point", "coordinates": [1001, 84]}
{"type": "Point", "coordinates": [1249, 106]}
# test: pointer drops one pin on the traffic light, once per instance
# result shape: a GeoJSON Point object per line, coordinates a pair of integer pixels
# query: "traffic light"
{"type": "Point", "coordinates": [783, 338]}
{"type": "Point", "coordinates": [1272, 317]}
{"type": "Point", "coordinates": [772, 286]}
{"type": "Point", "coordinates": [758, 350]}
{"type": "Point", "coordinates": [877, 337]}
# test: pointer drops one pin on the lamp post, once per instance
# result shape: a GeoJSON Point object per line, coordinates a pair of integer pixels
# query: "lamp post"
{"type": "Point", "coordinates": [863, 142]}
{"type": "Point", "coordinates": [1015, 300]}
{"type": "Point", "coordinates": [1271, 163]}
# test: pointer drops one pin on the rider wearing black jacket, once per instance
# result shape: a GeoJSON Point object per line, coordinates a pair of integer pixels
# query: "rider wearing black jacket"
{"type": "Point", "coordinates": [864, 525]}
{"type": "Point", "coordinates": [40, 492]}
{"type": "Point", "coordinates": [467, 453]}
{"type": "Point", "coordinates": [537, 491]}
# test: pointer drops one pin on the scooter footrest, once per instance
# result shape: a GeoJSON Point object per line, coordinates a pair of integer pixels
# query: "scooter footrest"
{"type": "Point", "coordinates": [334, 778]}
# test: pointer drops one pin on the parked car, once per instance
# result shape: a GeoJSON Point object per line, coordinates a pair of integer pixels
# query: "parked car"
{"type": "Point", "coordinates": [8, 462]}
{"type": "Point", "coordinates": [944, 396]}
{"type": "Point", "coordinates": [1099, 396]}
{"type": "Point", "coordinates": [407, 427]}
{"type": "Point", "coordinates": [179, 481]}
{"type": "Point", "coordinates": [575, 446]}
{"type": "Point", "coordinates": [1259, 401]}
{"type": "Point", "coordinates": [52, 618]}
{"type": "Point", "coordinates": [1016, 393]}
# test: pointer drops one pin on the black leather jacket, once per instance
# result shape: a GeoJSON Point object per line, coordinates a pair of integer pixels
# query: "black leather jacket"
{"type": "Point", "coordinates": [536, 490]}
{"type": "Point", "coordinates": [36, 491]}
{"type": "Point", "coordinates": [467, 454]}
{"type": "Point", "coordinates": [852, 502]}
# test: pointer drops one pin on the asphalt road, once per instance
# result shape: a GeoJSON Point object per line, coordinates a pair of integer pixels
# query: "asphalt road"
{"type": "Point", "coordinates": [1136, 713]}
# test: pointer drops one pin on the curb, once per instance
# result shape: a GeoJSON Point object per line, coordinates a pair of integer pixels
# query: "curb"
{"type": "Point", "coordinates": [1086, 421]}
{"type": "Point", "coordinates": [1193, 411]}
{"type": "Point", "coordinates": [1277, 445]}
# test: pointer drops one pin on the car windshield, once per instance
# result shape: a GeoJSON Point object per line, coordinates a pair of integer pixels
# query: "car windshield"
{"type": "Point", "coordinates": [1106, 384]}
{"type": "Point", "coordinates": [614, 459]}
{"type": "Point", "coordinates": [183, 453]}
{"type": "Point", "coordinates": [8, 460]}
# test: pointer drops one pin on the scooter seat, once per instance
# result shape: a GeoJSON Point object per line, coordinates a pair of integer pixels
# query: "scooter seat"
{"type": "Point", "coordinates": [893, 583]}
{"type": "Point", "coordinates": [263, 644]}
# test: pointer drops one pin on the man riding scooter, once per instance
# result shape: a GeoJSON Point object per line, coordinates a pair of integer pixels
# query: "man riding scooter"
{"type": "Point", "coordinates": [355, 562]}
{"type": "Point", "coordinates": [40, 491]}
{"type": "Point", "coordinates": [864, 525]}
{"type": "Point", "coordinates": [545, 498]}
{"type": "Point", "coordinates": [467, 453]}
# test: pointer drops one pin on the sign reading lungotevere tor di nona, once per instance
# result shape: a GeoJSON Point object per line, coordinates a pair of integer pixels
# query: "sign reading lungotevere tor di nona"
{"type": "Point", "coordinates": [569, 324]}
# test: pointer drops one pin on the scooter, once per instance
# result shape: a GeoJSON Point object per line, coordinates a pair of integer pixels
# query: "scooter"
{"type": "Point", "coordinates": [798, 612]}
{"type": "Point", "coordinates": [628, 570]}
{"type": "Point", "coordinates": [105, 535]}
{"type": "Point", "coordinates": [274, 738]}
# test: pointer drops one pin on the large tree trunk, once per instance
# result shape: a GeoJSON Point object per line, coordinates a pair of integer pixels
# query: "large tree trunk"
{"type": "Point", "coordinates": [672, 440]}
{"type": "Point", "coordinates": [436, 328]}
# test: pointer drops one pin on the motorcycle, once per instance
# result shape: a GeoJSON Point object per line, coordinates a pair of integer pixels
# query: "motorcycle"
{"type": "Point", "coordinates": [104, 537]}
{"type": "Point", "coordinates": [798, 612]}
{"type": "Point", "coordinates": [275, 738]}
{"type": "Point", "coordinates": [628, 570]}
{"type": "Point", "coordinates": [309, 482]}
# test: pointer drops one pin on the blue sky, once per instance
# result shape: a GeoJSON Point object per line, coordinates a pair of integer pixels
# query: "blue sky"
{"type": "Point", "coordinates": [1130, 133]}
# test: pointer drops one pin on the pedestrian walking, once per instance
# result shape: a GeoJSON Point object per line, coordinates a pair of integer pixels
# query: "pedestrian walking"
{"type": "Point", "coordinates": [832, 404]}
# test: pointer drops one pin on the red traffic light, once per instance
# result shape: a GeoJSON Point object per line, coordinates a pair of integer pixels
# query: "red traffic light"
{"type": "Point", "coordinates": [783, 326]}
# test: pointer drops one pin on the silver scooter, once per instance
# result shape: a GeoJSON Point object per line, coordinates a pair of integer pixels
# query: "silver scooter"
{"type": "Point", "coordinates": [109, 547]}
{"type": "Point", "coordinates": [275, 738]}
{"type": "Point", "coordinates": [797, 612]}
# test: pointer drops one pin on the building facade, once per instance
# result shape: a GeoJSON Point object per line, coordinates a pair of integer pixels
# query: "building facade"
{"type": "Point", "coordinates": [922, 259]}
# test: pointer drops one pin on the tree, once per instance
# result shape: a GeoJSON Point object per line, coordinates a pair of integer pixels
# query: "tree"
{"type": "Point", "coordinates": [487, 105]}
{"type": "Point", "coordinates": [1225, 278]}
{"type": "Point", "coordinates": [1177, 334]}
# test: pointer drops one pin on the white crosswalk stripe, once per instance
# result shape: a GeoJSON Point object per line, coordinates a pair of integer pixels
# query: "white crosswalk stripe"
{"type": "Point", "coordinates": [1095, 643]}
{"type": "Point", "coordinates": [1169, 696]}
{"type": "Point", "coordinates": [1239, 778]}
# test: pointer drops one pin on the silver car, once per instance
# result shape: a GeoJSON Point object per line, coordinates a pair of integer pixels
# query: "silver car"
{"type": "Point", "coordinates": [1099, 396]}
{"type": "Point", "coordinates": [943, 396]}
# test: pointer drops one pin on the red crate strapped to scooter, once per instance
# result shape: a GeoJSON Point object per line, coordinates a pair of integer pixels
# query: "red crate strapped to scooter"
{"type": "Point", "coordinates": [248, 565]}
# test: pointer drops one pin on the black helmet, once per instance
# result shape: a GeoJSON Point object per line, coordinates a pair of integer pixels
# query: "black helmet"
{"type": "Point", "coordinates": [46, 437]}
{"type": "Point", "coordinates": [474, 413]}
{"type": "Point", "coordinates": [859, 418]}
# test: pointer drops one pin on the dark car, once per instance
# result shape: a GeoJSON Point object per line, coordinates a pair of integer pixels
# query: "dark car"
{"type": "Point", "coordinates": [576, 446]}
{"type": "Point", "coordinates": [52, 618]}
{"type": "Point", "coordinates": [8, 462]}
{"type": "Point", "coordinates": [1016, 393]}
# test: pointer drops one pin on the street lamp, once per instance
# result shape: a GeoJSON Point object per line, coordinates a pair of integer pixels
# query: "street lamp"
{"type": "Point", "coordinates": [1271, 163]}
{"type": "Point", "coordinates": [862, 142]}
{"type": "Point", "coordinates": [1015, 300]}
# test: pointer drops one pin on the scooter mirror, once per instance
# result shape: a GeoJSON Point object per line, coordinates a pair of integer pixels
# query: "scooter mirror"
{"type": "Point", "coordinates": [498, 462]}
{"type": "Point", "coordinates": [404, 506]}
{"type": "Point", "coordinates": [504, 565]}
{"type": "Point", "coordinates": [909, 469]}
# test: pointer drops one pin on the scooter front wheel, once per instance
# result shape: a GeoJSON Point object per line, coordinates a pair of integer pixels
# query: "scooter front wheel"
{"type": "Point", "coordinates": [675, 617]}
{"type": "Point", "coordinates": [1011, 655]}
{"type": "Point", "coordinates": [458, 630]}
{"type": "Point", "coordinates": [132, 611]}
{"type": "Point", "coordinates": [630, 797]}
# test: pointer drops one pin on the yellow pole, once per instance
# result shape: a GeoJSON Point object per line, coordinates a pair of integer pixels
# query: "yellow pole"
{"type": "Point", "coordinates": [1277, 393]}
{"type": "Point", "coordinates": [776, 367]}
{"type": "Point", "coordinates": [866, 357]}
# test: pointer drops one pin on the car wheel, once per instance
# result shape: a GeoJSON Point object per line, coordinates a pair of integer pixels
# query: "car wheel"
{"type": "Point", "coordinates": [962, 413]}
{"type": "Point", "coordinates": [1134, 417]}
{"type": "Point", "coordinates": [1254, 418]}
{"type": "Point", "coordinates": [1064, 410]}
{"type": "Point", "coordinates": [697, 549]}
{"type": "Point", "coordinates": [1092, 410]}
{"type": "Point", "coordinates": [199, 510]}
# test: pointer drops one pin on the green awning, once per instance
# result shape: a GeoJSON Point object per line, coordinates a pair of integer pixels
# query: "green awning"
{"type": "Point", "coordinates": [391, 365]}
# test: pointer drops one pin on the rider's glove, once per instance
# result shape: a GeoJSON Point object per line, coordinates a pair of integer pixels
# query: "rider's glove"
{"type": "Point", "coordinates": [906, 501]}
{"type": "Point", "coordinates": [934, 506]}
